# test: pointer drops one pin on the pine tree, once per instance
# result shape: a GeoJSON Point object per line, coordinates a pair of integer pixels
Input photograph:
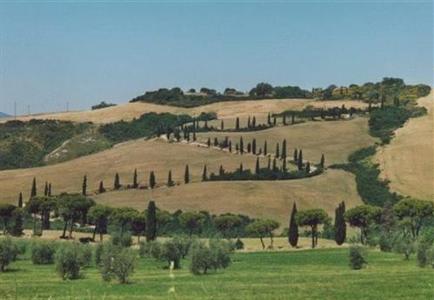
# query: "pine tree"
{"type": "Point", "coordinates": [33, 191]}
{"type": "Point", "coordinates": [265, 148]}
{"type": "Point", "coordinates": [135, 182]}
{"type": "Point", "coordinates": [300, 160]}
{"type": "Point", "coordinates": [222, 125]}
{"type": "Point", "coordinates": [204, 174]}
{"type": "Point", "coordinates": [295, 155]}
{"type": "Point", "coordinates": [83, 188]}
{"type": "Point", "coordinates": [254, 146]}
{"type": "Point", "coordinates": [322, 162]}
{"type": "Point", "coordinates": [152, 180]}
{"type": "Point", "coordinates": [151, 222]}
{"type": "Point", "coordinates": [257, 168]}
{"type": "Point", "coordinates": [241, 145]}
{"type": "Point", "coordinates": [293, 228]}
{"type": "Point", "coordinates": [101, 188]}
{"type": "Point", "coordinates": [186, 175]}
{"type": "Point", "coordinates": [20, 200]}
{"type": "Point", "coordinates": [284, 149]}
{"type": "Point", "coordinates": [237, 124]}
{"type": "Point", "coordinates": [117, 183]}
{"type": "Point", "coordinates": [277, 154]}
{"type": "Point", "coordinates": [169, 179]}
{"type": "Point", "coordinates": [340, 226]}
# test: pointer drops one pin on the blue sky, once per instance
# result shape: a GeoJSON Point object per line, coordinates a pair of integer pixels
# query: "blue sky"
{"type": "Point", "coordinates": [51, 53]}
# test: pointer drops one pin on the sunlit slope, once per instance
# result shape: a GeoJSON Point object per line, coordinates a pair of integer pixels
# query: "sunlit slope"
{"type": "Point", "coordinates": [268, 199]}
{"type": "Point", "coordinates": [225, 110]}
{"type": "Point", "coordinates": [408, 161]}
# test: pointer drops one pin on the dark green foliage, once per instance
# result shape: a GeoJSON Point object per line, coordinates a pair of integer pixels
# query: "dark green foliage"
{"type": "Point", "coordinates": [213, 257]}
{"type": "Point", "coordinates": [204, 174]}
{"type": "Point", "coordinates": [283, 156]}
{"type": "Point", "coordinates": [42, 252]}
{"type": "Point", "coordinates": [356, 257]}
{"type": "Point", "coordinates": [117, 262]}
{"type": "Point", "coordinates": [186, 175]}
{"type": "Point", "coordinates": [33, 191]}
{"type": "Point", "coordinates": [261, 228]}
{"type": "Point", "coordinates": [295, 156]}
{"type": "Point", "coordinates": [312, 218]}
{"type": "Point", "coordinates": [170, 181]}
{"type": "Point", "coordinates": [99, 216]}
{"type": "Point", "coordinates": [102, 104]}
{"type": "Point", "coordinates": [20, 200]}
{"type": "Point", "coordinates": [257, 167]}
{"type": "Point", "coordinates": [414, 214]}
{"type": "Point", "coordinates": [117, 182]}
{"type": "Point", "coordinates": [83, 187]}
{"type": "Point", "coordinates": [151, 222]}
{"type": "Point", "coordinates": [322, 162]}
{"type": "Point", "coordinates": [121, 239]}
{"type": "Point", "coordinates": [293, 227]}
{"type": "Point", "coordinates": [8, 253]}
{"type": "Point", "coordinates": [101, 188]}
{"type": "Point", "coordinates": [277, 153]}
{"type": "Point", "coordinates": [340, 225]}
{"type": "Point", "coordinates": [70, 260]}
{"type": "Point", "coordinates": [192, 221]}
{"type": "Point", "coordinates": [152, 180]}
{"type": "Point", "coordinates": [239, 245]}
{"type": "Point", "coordinates": [265, 148]}
{"type": "Point", "coordinates": [300, 160]}
{"type": "Point", "coordinates": [6, 211]}
{"type": "Point", "coordinates": [383, 122]}
{"type": "Point", "coordinates": [363, 216]}
{"type": "Point", "coordinates": [135, 181]}
{"type": "Point", "coordinates": [25, 144]}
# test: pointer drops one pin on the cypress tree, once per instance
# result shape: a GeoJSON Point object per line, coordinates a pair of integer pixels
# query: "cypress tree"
{"type": "Point", "coordinates": [241, 168]}
{"type": "Point", "coordinates": [151, 222]}
{"type": "Point", "coordinates": [135, 182]}
{"type": "Point", "coordinates": [169, 179]}
{"type": "Point", "coordinates": [152, 180]}
{"type": "Point", "coordinates": [340, 226]}
{"type": "Point", "coordinates": [204, 174]}
{"type": "Point", "coordinates": [284, 166]}
{"type": "Point", "coordinates": [208, 142]}
{"type": "Point", "coordinates": [307, 167]}
{"type": "Point", "coordinates": [300, 160]}
{"type": "Point", "coordinates": [254, 146]}
{"type": "Point", "coordinates": [186, 175]}
{"type": "Point", "coordinates": [284, 119]}
{"type": "Point", "coordinates": [257, 168]}
{"type": "Point", "coordinates": [33, 191]}
{"type": "Point", "coordinates": [206, 124]}
{"type": "Point", "coordinates": [383, 99]}
{"type": "Point", "coordinates": [284, 149]}
{"type": "Point", "coordinates": [269, 119]}
{"type": "Point", "coordinates": [274, 121]}
{"type": "Point", "coordinates": [46, 189]}
{"type": "Point", "coordinates": [237, 124]}
{"type": "Point", "coordinates": [194, 136]}
{"type": "Point", "coordinates": [117, 183]}
{"type": "Point", "coordinates": [20, 200]}
{"type": "Point", "coordinates": [216, 142]}
{"type": "Point", "coordinates": [248, 122]}
{"type": "Point", "coordinates": [293, 228]}
{"type": "Point", "coordinates": [49, 189]}
{"type": "Point", "coordinates": [230, 146]}
{"type": "Point", "coordinates": [83, 188]}
{"type": "Point", "coordinates": [254, 122]}
{"type": "Point", "coordinates": [221, 171]}
{"type": "Point", "coordinates": [274, 165]}
{"type": "Point", "coordinates": [237, 148]}
{"type": "Point", "coordinates": [269, 163]}
{"type": "Point", "coordinates": [265, 148]}
{"type": "Point", "coordinates": [222, 125]}
{"type": "Point", "coordinates": [322, 162]}
{"type": "Point", "coordinates": [293, 118]}
{"type": "Point", "coordinates": [101, 188]}
{"type": "Point", "coordinates": [241, 145]}
{"type": "Point", "coordinates": [277, 154]}
{"type": "Point", "coordinates": [249, 147]}
{"type": "Point", "coordinates": [295, 155]}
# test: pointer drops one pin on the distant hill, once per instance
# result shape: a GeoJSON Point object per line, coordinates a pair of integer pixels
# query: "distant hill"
{"type": "Point", "coordinates": [3, 115]}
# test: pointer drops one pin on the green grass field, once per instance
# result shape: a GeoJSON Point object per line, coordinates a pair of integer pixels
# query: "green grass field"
{"type": "Point", "coordinates": [307, 274]}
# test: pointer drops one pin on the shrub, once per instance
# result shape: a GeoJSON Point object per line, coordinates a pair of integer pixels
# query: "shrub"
{"type": "Point", "coordinates": [404, 245]}
{"type": "Point", "coordinates": [214, 256]}
{"type": "Point", "coordinates": [149, 249]}
{"type": "Point", "coordinates": [239, 245]}
{"type": "Point", "coordinates": [171, 251]}
{"type": "Point", "coordinates": [98, 253]}
{"type": "Point", "coordinates": [42, 253]}
{"type": "Point", "coordinates": [70, 260]}
{"type": "Point", "coordinates": [8, 253]}
{"type": "Point", "coordinates": [117, 262]}
{"type": "Point", "coordinates": [124, 240]}
{"type": "Point", "coordinates": [86, 255]}
{"type": "Point", "coordinates": [357, 259]}
{"type": "Point", "coordinates": [423, 254]}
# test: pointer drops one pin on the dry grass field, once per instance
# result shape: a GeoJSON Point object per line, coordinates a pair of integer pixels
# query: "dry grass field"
{"type": "Point", "coordinates": [224, 110]}
{"type": "Point", "coordinates": [266, 199]}
{"type": "Point", "coordinates": [408, 161]}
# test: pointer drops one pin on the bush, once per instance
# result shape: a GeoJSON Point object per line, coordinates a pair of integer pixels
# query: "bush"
{"type": "Point", "coordinates": [404, 245]}
{"type": "Point", "coordinates": [42, 253]}
{"type": "Point", "coordinates": [8, 253]}
{"type": "Point", "coordinates": [423, 254]}
{"type": "Point", "coordinates": [214, 256]}
{"type": "Point", "coordinates": [70, 258]}
{"type": "Point", "coordinates": [117, 261]}
{"type": "Point", "coordinates": [86, 255]}
{"type": "Point", "coordinates": [98, 253]}
{"type": "Point", "coordinates": [171, 251]}
{"type": "Point", "coordinates": [149, 249]}
{"type": "Point", "coordinates": [124, 240]}
{"type": "Point", "coordinates": [357, 259]}
{"type": "Point", "coordinates": [239, 245]}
